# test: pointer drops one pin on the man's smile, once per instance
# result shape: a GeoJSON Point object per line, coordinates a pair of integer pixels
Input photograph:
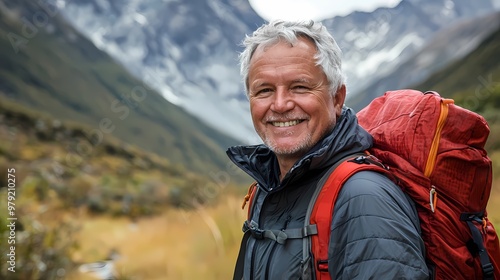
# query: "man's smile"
{"type": "Point", "coordinates": [287, 123]}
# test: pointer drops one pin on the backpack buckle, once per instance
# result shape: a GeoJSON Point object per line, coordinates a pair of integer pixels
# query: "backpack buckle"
{"type": "Point", "coordinates": [370, 159]}
{"type": "Point", "coordinates": [257, 233]}
{"type": "Point", "coordinates": [475, 216]}
{"type": "Point", "coordinates": [254, 229]}
{"type": "Point", "coordinates": [487, 270]}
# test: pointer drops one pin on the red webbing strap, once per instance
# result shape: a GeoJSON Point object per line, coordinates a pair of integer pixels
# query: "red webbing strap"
{"type": "Point", "coordinates": [322, 212]}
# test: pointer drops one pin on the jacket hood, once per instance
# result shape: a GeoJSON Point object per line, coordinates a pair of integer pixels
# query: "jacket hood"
{"type": "Point", "coordinates": [346, 138]}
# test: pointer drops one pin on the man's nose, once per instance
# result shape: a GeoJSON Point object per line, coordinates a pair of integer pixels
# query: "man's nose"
{"type": "Point", "coordinates": [283, 101]}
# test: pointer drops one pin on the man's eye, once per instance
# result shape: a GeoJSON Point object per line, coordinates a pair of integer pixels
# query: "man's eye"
{"type": "Point", "coordinates": [300, 88]}
{"type": "Point", "coordinates": [264, 90]}
{"type": "Point", "coordinates": [261, 92]}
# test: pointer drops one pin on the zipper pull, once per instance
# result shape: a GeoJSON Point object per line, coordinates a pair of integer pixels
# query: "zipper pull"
{"type": "Point", "coordinates": [433, 198]}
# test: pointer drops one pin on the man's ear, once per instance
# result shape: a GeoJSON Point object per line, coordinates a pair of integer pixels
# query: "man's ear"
{"type": "Point", "coordinates": [339, 100]}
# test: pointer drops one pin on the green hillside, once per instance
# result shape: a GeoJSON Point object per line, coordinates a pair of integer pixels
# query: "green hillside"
{"type": "Point", "coordinates": [474, 83]}
{"type": "Point", "coordinates": [50, 67]}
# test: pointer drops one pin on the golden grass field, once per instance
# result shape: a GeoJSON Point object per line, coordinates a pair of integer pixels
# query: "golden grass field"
{"type": "Point", "coordinates": [178, 244]}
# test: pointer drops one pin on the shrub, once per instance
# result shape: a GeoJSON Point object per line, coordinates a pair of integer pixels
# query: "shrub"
{"type": "Point", "coordinates": [42, 251]}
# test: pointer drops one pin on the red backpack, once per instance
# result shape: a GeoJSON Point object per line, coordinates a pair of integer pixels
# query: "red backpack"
{"type": "Point", "coordinates": [434, 150]}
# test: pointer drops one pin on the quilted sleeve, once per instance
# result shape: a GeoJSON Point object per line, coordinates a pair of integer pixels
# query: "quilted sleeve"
{"type": "Point", "coordinates": [375, 232]}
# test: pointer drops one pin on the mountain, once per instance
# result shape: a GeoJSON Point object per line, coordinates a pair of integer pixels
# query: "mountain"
{"type": "Point", "coordinates": [188, 49]}
{"type": "Point", "coordinates": [47, 65]}
{"type": "Point", "coordinates": [375, 43]}
{"type": "Point", "coordinates": [473, 80]}
{"type": "Point", "coordinates": [447, 45]}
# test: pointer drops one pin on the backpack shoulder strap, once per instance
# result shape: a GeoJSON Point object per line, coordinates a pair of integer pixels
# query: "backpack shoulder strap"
{"type": "Point", "coordinates": [323, 204]}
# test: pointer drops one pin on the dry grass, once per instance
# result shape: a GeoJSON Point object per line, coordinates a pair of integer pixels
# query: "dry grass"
{"type": "Point", "coordinates": [180, 244]}
{"type": "Point", "coordinates": [493, 206]}
{"type": "Point", "coordinates": [177, 244]}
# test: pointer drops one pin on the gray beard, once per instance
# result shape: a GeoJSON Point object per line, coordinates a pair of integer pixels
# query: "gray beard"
{"type": "Point", "coordinates": [302, 148]}
{"type": "Point", "coordinates": [299, 150]}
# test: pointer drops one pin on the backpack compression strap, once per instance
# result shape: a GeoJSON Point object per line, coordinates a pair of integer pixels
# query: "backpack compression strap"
{"type": "Point", "coordinates": [322, 212]}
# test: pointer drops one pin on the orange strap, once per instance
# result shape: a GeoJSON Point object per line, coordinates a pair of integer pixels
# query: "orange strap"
{"type": "Point", "coordinates": [249, 197]}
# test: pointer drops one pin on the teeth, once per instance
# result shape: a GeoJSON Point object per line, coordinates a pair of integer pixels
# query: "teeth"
{"type": "Point", "coordinates": [284, 124]}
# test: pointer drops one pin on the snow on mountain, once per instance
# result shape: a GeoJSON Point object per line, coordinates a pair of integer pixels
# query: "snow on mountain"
{"type": "Point", "coordinates": [187, 50]}
{"type": "Point", "coordinates": [446, 46]}
{"type": "Point", "coordinates": [375, 43]}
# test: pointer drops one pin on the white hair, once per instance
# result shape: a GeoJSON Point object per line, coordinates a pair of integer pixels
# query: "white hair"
{"type": "Point", "coordinates": [328, 56]}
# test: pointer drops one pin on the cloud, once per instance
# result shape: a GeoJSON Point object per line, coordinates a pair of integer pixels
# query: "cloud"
{"type": "Point", "coordinates": [314, 9]}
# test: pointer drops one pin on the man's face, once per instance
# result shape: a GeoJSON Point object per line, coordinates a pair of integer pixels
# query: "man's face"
{"type": "Point", "coordinates": [290, 102]}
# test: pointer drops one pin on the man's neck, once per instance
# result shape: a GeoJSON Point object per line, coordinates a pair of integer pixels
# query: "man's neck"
{"type": "Point", "coordinates": [286, 164]}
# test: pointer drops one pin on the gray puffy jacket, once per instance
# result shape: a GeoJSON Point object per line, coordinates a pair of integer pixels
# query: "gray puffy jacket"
{"type": "Point", "coordinates": [375, 233]}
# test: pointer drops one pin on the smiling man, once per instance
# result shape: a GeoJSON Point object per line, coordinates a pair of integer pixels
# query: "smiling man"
{"type": "Point", "coordinates": [294, 82]}
{"type": "Point", "coordinates": [289, 99]}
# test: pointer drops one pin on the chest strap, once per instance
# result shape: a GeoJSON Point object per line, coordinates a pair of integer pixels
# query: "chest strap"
{"type": "Point", "coordinates": [279, 236]}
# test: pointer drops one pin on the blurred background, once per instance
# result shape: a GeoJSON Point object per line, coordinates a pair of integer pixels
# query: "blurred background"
{"type": "Point", "coordinates": [115, 116]}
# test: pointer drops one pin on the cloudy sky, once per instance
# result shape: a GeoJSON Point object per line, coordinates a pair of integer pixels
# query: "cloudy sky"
{"type": "Point", "coordinates": [314, 9]}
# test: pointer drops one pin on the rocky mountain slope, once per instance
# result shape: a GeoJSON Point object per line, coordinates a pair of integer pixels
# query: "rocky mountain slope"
{"type": "Point", "coordinates": [446, 46]}
{"type": "Point", "coordinates": [188, 49]}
